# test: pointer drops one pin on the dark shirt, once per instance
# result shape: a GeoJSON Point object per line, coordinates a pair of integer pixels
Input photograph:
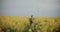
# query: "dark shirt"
{"type": "Point", "coordinates": [31, 21]}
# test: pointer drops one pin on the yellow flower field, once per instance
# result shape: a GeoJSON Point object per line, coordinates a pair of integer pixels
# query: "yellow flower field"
{"type": "Point", "coordinates": [22, 24]}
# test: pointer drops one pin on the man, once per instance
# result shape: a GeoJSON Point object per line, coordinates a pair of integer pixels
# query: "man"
{"type": "Point", "coordinates": [31, 20]}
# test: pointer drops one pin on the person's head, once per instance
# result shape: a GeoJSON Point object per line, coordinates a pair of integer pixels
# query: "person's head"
{"type": "Point", "coordinates": [31, 15]}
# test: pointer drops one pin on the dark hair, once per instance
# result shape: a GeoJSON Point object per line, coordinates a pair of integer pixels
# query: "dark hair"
{"type": "Point", "coordinates": [31, 15]}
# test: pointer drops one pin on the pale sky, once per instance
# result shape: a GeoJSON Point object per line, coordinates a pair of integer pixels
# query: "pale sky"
{"type": "Point", "coordinates": [29, 7]}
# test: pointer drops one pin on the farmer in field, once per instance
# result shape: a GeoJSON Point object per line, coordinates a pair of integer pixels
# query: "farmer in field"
{"type": "Point", "coordinates": [31, 20]}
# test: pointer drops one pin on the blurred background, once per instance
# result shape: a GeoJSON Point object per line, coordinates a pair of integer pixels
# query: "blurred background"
{"type": "Point", "coordinates": [15, 11]}
{"type": "Point", "coordinates": [30, 7]}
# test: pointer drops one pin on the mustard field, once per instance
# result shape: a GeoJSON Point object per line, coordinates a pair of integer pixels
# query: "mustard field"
{"type": "Point", "coordinates": [22, 24]}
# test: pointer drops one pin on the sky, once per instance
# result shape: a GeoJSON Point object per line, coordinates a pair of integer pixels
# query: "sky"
{"type": "Point", "coordinates": [30, 7]}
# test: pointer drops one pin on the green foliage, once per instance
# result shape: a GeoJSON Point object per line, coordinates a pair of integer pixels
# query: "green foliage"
{"type": "Point", "coordinates": [57, 30]}
{"type": "Point", "coordinates": [36, 27]}
{"type": "Point", "coordinates": [12, 30]}
{"type": "Point", "coordinates": [26, 29]}
{"type": "Point", "coordinates": [4, 29]}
